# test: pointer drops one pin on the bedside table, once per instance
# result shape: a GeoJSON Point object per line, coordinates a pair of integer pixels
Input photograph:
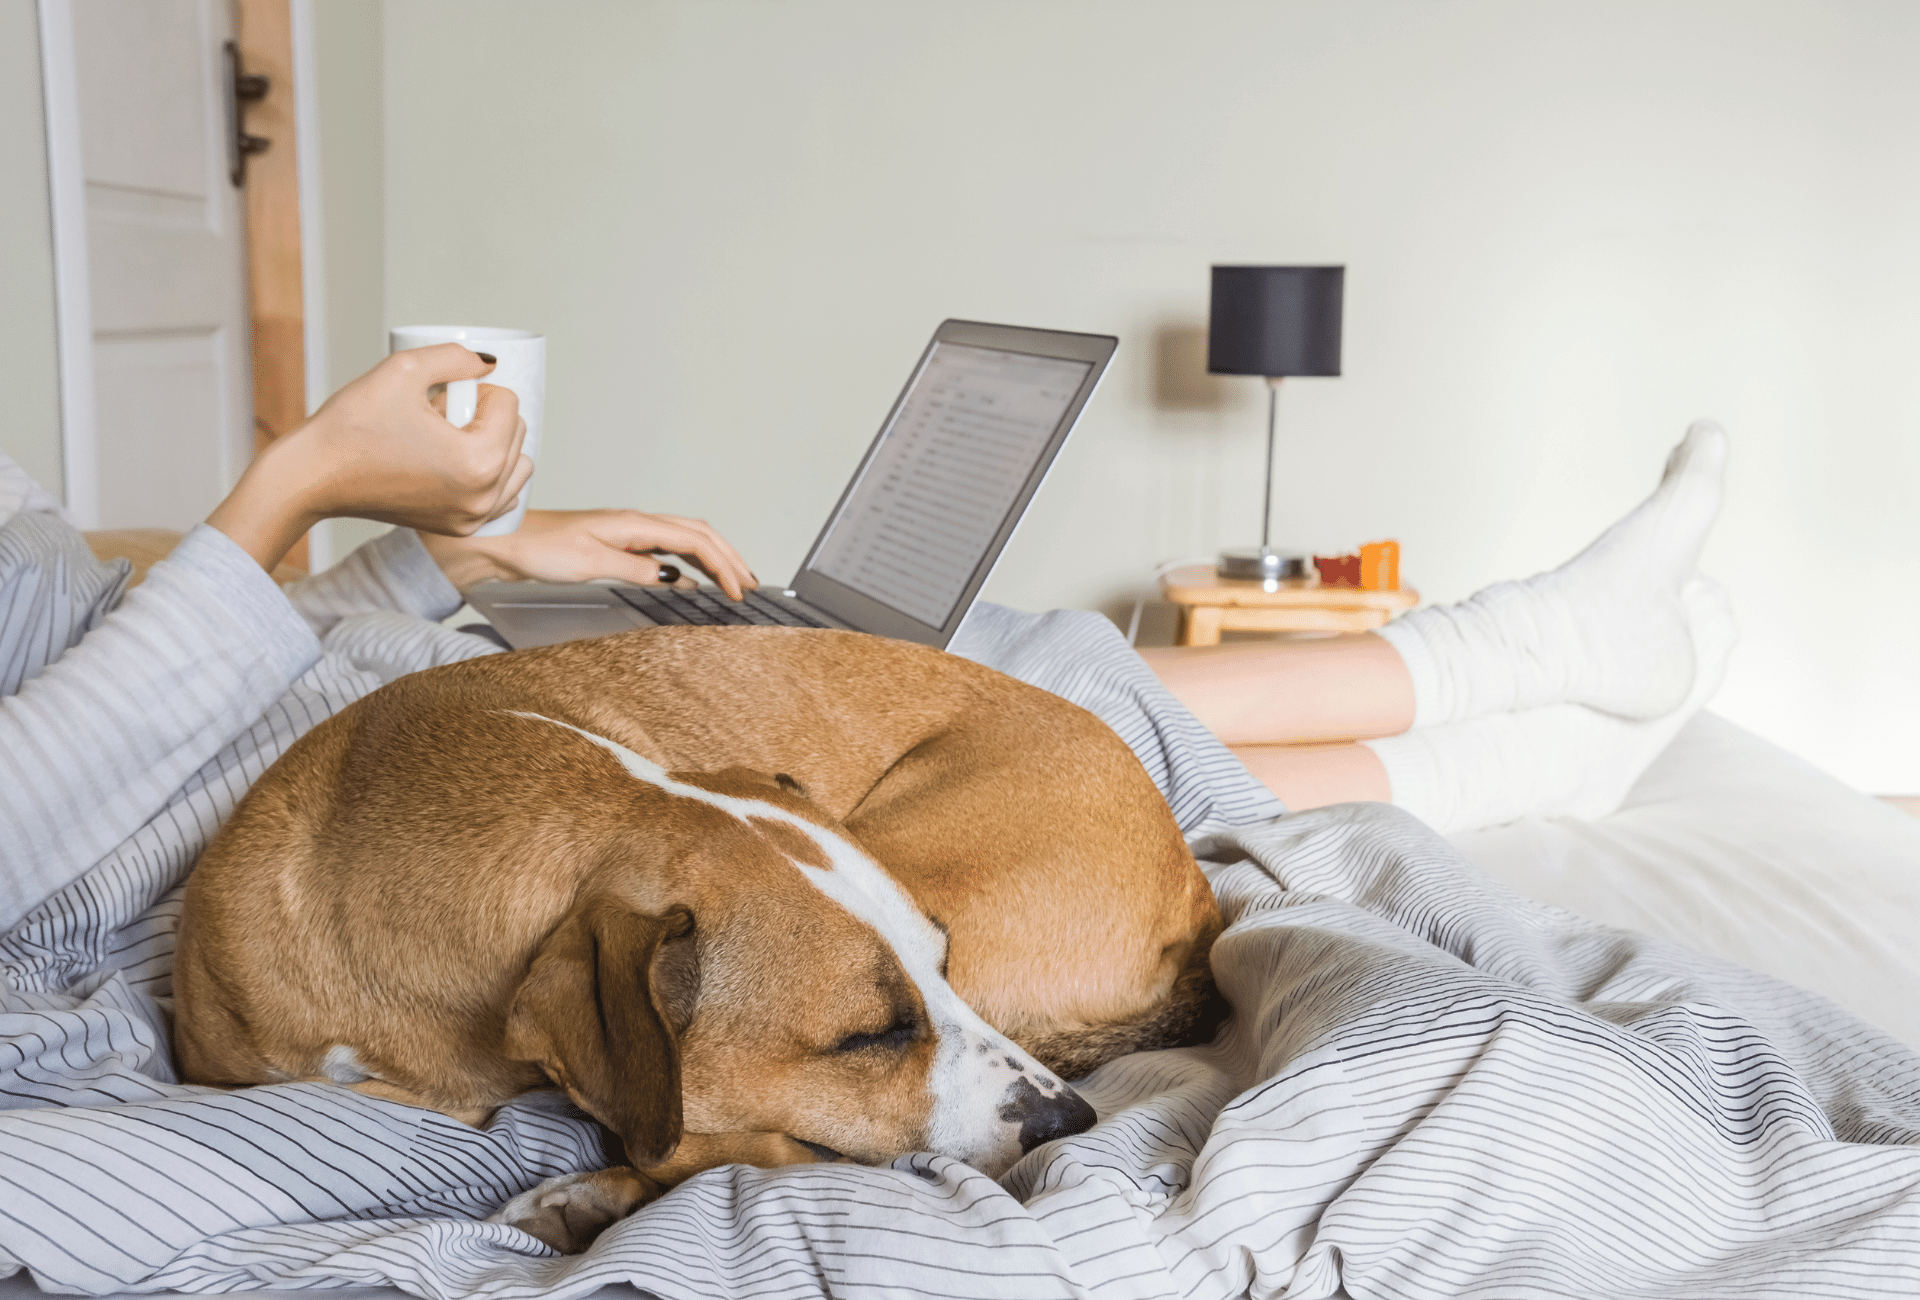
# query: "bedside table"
{"type": "Point", "coordinates": [1210, 604]}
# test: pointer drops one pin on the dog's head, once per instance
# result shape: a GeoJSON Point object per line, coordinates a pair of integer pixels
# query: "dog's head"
{"type": "Point", "coordinates": [773, 979]}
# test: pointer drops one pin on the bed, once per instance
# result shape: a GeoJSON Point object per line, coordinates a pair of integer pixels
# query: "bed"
{"type": "Point", "coordinates": [1404, 1102]}
{"type": "Point", "coordinates": [1733, 846]}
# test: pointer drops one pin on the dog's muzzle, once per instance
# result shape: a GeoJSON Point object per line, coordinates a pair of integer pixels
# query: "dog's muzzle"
{"type": "Point", "coordinates": [1042, 1117]}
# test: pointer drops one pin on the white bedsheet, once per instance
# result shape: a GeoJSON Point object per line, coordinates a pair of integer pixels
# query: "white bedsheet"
{"type": "Point", "coordinates": [1732, 846]}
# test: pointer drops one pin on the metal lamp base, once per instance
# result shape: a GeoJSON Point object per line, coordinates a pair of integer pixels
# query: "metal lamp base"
{"type": "Point", "coordinates": [1261, 564]}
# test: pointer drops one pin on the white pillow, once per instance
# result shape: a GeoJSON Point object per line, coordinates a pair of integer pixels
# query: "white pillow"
{"type": "Point", "coordinates": [1734, 847]}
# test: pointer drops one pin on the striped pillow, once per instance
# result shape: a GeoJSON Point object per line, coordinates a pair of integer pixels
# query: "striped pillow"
{"type": "Point", "coordinates": [52, 593]}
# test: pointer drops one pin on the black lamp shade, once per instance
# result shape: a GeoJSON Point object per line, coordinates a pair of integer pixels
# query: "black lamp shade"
{"type": "Point", "coordinates": [1276, 320]}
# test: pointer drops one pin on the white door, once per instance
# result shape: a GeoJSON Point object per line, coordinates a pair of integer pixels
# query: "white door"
{"type": "Point", "coordinates": [151, 251]}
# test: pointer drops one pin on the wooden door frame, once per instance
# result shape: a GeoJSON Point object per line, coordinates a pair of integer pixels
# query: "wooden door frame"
{"type": "Point", "coordinates": [276, 201]}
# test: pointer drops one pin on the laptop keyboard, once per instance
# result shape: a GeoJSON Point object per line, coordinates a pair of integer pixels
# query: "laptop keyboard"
{"type": "Point", "coordinates": [672, 605]}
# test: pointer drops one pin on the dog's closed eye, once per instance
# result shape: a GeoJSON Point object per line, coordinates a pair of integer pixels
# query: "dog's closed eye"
{"type": "Point", "coordinates": [893, 1038]}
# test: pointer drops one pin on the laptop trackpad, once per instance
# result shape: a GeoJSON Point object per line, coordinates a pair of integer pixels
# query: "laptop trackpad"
{"type": "Point", "coordinates": [528, 616]}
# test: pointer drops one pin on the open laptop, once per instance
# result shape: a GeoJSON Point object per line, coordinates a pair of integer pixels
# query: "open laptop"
{"type": "Point", "coordinates": [914, 535]}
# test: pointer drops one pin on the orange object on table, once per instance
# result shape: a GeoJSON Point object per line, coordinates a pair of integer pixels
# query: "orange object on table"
{"type": "Point", "coordinates": [1375, 568]}
{"type": "Point", "coordinates": [1380, 566]}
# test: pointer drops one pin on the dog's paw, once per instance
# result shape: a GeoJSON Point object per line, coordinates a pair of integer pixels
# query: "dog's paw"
{"type": "Point", "coordinates": [568, 1212]}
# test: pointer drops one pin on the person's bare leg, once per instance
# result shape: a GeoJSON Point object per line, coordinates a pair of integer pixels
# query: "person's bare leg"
{"type": "Point", "coordinates": [1312, 776]}
{"type": "Point", "coordinates": [1290, 692]}
{"type": "Point", "coordinates": [1292, 710]}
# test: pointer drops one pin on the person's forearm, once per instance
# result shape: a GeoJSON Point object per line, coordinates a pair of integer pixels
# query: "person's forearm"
{"type": "Point", "coordinates": [466, 561]}
{"type": "Point", "coordinates": [267, 511]}
{"type": "Point", "coordinates": [94, 746]}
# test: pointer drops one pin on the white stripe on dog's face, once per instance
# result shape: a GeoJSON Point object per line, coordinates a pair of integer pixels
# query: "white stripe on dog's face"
{"type": "Point", "coordinates": [982, 1085]}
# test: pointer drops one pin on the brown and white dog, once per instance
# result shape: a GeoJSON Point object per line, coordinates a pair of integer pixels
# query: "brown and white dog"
{"type": "Point", "coordinates": [750, 895]}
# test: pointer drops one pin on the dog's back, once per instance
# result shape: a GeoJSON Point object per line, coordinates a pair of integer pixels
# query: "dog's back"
{"type": "Point", "coordinates": [1019, 820]}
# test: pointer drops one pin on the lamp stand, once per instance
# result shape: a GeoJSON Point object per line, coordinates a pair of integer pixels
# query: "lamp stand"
{"type": "Point", "coordinates": [1265, 565]}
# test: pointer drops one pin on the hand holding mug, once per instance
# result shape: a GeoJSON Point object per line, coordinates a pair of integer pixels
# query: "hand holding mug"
{"type": "Point", "coordinates": [379, 450]}
{"type": "Point", "coordinates": [522, 366]}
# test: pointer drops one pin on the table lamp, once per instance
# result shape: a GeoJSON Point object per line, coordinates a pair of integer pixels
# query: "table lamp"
{"type": "Point", "coordinates": [1273, 321]}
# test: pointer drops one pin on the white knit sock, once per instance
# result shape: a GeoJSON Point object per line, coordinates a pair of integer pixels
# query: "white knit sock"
{"type": "Point", "coordinates": [1561, 760]}
{"type": "Point", "coordinates": [1606, 629]}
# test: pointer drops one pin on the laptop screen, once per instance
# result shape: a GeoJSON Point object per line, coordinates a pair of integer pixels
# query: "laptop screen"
{"type": "Point", "coordinates": [944, 476]}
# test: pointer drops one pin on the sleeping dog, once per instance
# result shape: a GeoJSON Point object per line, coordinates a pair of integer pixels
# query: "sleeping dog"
{"type": "Point", "coordinates": [757, 895]}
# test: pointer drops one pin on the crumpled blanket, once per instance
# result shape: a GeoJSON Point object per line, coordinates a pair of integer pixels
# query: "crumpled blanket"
{"type": "Point", "coordinates": [1430, 1086]}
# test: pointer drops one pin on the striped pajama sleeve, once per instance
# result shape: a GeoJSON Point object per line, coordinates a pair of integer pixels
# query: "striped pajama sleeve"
{"type": "Point", "coordinates": [391, 573]}
{"type": "Point", "coordinates": [101, 739]}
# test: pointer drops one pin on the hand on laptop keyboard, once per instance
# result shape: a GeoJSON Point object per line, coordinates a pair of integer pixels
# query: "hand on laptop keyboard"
{"type": "Point", "coordinates": [582, 545]}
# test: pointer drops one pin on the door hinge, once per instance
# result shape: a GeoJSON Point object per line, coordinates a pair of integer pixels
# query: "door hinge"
{"type": "Point", "coordinates": [242, 88]}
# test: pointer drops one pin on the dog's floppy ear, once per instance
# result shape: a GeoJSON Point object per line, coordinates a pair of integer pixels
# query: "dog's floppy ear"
{"type": "Point", "coordinates": [600, 1010]}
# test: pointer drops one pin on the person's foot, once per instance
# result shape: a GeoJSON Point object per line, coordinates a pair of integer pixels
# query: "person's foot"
{"type": "Point", "coordinates": [1560, 760]}
{"type": "Point", "coordinates": [1626, 589]}
{"type": "Point", "coordinates": [1608, 629]}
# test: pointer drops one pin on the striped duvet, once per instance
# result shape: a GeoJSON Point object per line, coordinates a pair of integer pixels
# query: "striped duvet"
{"type": "Point", "coordinates": [1429, 1087]}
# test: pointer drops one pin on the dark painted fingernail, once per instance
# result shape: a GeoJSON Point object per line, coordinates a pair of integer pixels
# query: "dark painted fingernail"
{"type": "Point", "coordinates": [669, 574]}
{"type": "Point", "coordinates": [487, 357]}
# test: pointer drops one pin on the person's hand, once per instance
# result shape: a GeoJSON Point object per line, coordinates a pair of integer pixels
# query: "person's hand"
{"type": "Point", "coordinates": [581, 545]}
{"type": "Point", "coordinates": [380, 450]}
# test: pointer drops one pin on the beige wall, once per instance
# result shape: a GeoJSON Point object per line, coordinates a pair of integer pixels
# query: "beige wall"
{"type": "Point", "coordinates": [348, 38]}
{"type": "Point", "coordinates": [1571, 227]}
{"type": "Point", "coordinates": [348, 42]}
{"type": "Point", "coordinates": [29, 355]}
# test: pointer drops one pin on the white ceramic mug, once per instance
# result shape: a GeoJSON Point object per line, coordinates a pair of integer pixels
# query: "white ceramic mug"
{"type": "Point", "coordinates": [522, 367]}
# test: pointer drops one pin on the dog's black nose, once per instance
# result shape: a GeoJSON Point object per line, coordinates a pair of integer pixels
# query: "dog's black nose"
{"type": "Point", "coordinates": [1043, 1118]}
